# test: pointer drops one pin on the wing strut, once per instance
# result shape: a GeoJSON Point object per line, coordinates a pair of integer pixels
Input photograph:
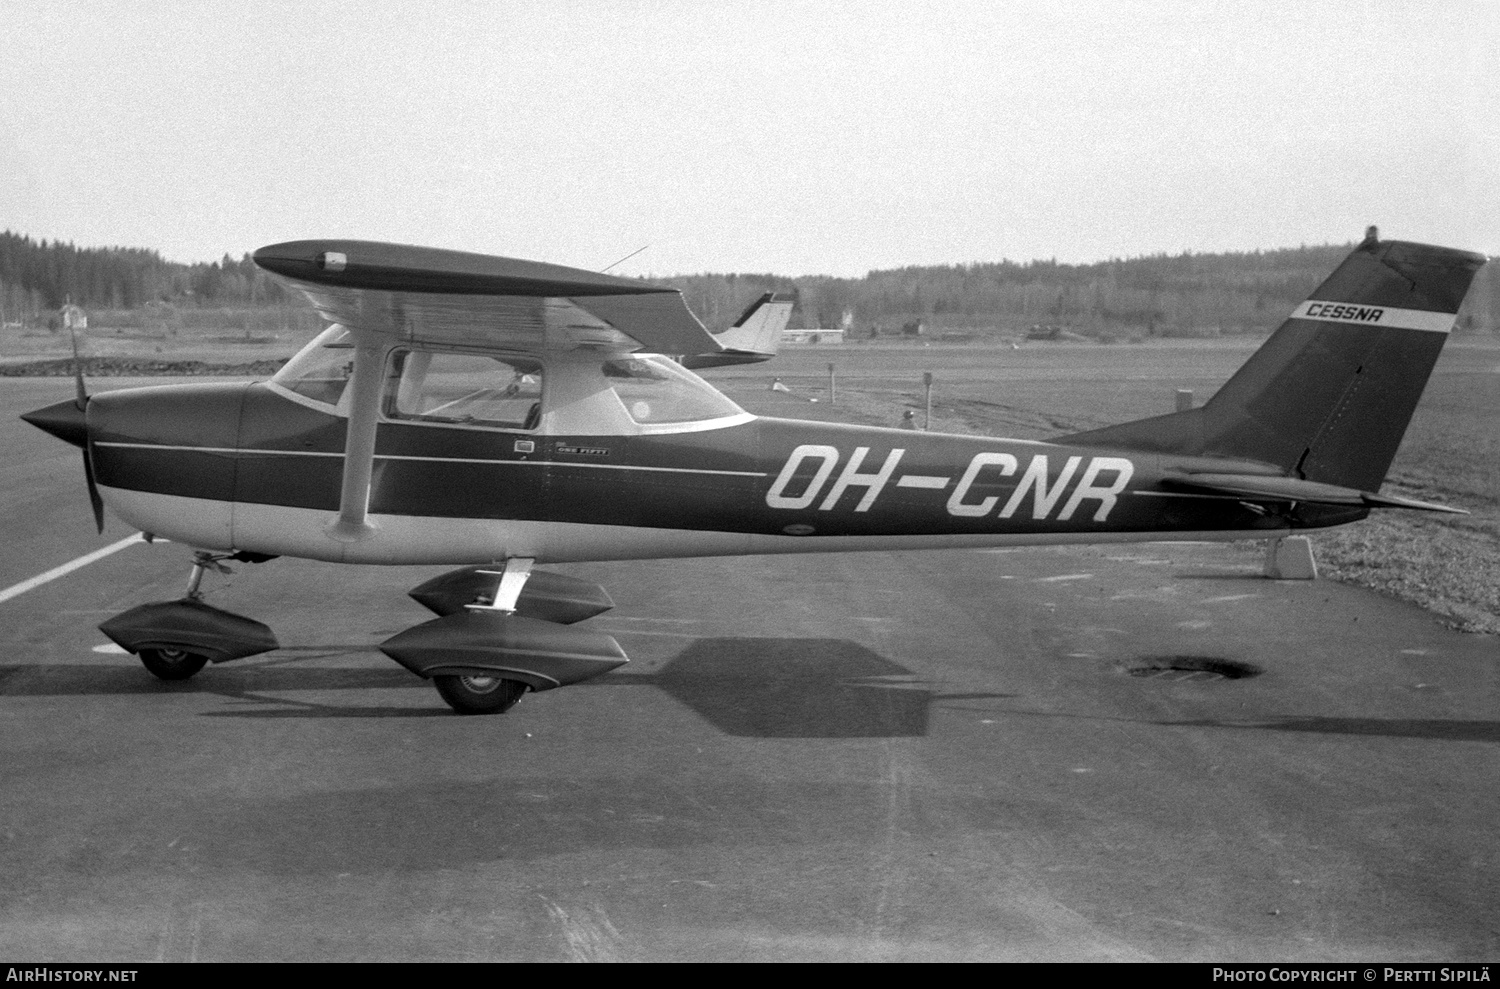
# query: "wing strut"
{"type": "Point", "coordinates": [359, 443]}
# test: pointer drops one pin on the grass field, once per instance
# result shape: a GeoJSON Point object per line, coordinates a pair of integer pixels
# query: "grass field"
{"type": "Point", "coordinates": [191, 344]}
{"type": "Point", "coordinates": [1451, 453]}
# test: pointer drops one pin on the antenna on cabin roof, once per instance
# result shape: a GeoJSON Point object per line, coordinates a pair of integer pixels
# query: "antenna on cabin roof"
{"type": "Point", "coordinates": [625, 258]}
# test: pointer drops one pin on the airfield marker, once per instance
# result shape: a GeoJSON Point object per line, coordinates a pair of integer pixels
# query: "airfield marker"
{"type": "Point", "coordinates": [18, 589]}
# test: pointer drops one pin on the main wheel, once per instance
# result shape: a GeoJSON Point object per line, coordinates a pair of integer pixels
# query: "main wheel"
{"type": "Point", "coordinates": [172, 664]}
{"type": "Point", "coordinates": [479, 694]}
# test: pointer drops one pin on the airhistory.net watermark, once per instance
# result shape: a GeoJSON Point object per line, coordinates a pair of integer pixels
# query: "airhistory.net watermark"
{"type": "Point", "coordinates": [53, 973]}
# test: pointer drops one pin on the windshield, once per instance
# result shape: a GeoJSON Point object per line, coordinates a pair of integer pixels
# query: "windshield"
{"type": "Point", "coordinates": [655, 389]}
{"type": "Point", "coordinates": [322, 368]}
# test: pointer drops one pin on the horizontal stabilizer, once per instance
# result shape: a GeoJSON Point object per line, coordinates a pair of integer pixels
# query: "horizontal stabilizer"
{"type": "Point", "coordinates": [1394, 501]}
{"type": "Point", "coordinates": [1257, 487]}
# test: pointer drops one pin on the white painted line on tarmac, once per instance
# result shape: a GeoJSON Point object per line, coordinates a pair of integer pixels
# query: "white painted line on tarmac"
{"type": "Point", "coordinates": [18, 589]}
{"type": "Point", "coordinates": [1063, 577]}
{"type": "Point", "coordinates": [110, 649]}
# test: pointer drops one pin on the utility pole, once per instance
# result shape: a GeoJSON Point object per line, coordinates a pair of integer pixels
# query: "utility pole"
{"type": "Point", "coordinates": [927, 380]}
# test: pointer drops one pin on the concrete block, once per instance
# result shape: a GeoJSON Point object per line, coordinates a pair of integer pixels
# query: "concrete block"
{"type": "Point", "coordinates": [1291, 558]}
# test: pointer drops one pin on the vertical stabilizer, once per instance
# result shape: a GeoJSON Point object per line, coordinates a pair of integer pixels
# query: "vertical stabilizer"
{"type": "Point", "coordinates": [1328, 397]}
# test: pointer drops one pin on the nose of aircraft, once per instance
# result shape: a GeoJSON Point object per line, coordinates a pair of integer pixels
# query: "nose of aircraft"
{"type": "Point", "coordinates": [65, 420]}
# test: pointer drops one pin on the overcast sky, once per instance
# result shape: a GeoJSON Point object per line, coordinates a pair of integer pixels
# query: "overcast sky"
{"type": "Point", "coordinates": [796, 138]}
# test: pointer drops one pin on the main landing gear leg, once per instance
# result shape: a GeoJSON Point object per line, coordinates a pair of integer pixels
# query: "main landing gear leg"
{"type": "Point", "coordinates": [176, 639]}
{"type": "Point", "coordinates": [479, 694]}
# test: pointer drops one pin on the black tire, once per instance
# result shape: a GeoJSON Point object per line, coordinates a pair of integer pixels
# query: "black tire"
{"type": "Point", "coordinates": [172, 664]}
{"type": "Point", "coordinates": [479, 694]}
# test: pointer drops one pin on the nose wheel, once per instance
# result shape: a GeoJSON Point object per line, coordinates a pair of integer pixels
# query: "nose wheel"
{"type": "Point", "coordinates": [176, 639]}
{"type": "Point", "coordinates": [172, 664]}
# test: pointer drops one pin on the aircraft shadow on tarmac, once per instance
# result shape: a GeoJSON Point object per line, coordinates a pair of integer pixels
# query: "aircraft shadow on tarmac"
{"type": "Point", "coordinates": [755, 687]}
{"type": "Point", "coordinates": [749, 687]}
{"type": "Point", "coordinates": [794, 688]}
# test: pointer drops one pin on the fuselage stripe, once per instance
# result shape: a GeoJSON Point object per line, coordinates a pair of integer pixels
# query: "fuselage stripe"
{"type": "Point", "coordinates": [235, 451]}
{"type": "Point", "coordinates": [1190, 494]}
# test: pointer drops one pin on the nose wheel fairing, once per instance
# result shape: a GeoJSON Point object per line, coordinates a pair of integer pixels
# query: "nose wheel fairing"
{"type": "Point", "coordinates": [189, 626]}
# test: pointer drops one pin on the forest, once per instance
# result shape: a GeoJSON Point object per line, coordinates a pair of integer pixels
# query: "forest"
{"type": "Point", "coordinates": [1158, 295]}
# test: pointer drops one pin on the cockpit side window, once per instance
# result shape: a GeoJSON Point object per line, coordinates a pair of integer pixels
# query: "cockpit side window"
{"type": "Point", "coordinates": [497, 391]}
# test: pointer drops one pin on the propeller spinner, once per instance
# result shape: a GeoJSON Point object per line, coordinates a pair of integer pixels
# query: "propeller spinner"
{"type": "Point", "coordinates": [68, 421]}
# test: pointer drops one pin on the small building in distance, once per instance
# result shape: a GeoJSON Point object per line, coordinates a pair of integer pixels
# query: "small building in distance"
{"type": "Point", "coordinates": [817, 335]}
{"type": "Point", "coordinates": [822, 334]}
{"type": "Point", "coordinates": [1054, 333]}
{"type": "Point", "coordinates": [73, 317]}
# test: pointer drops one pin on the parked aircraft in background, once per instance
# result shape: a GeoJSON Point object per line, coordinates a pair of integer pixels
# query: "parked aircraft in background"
{"type": "Point", "coordinates": [493, 414]}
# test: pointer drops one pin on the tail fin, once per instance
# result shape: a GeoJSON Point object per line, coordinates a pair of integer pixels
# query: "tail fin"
{"type": "Point", "coordinates": [1327, 398]}
{"type": "Point", "coordinates": [754, 337]}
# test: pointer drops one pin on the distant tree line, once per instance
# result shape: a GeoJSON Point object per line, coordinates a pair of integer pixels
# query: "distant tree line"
{"type": "Point", "coordinates": [1158, 295]}
{"type": "Point", "coordinates": [38, 276]}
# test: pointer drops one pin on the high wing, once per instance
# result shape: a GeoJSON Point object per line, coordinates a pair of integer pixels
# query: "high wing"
{"type": "Point", "coordinates": [428, 297]}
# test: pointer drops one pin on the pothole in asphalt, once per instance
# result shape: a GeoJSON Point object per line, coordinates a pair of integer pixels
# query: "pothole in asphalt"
{"type": "Point", "coordinates": [1181, 669]}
